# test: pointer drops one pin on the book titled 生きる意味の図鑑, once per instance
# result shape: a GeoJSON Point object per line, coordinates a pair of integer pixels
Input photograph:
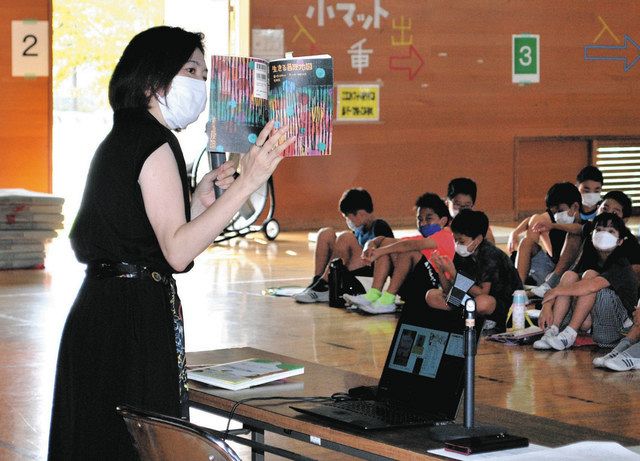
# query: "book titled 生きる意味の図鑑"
{"type": "Point", "coordinates": [248, 92]}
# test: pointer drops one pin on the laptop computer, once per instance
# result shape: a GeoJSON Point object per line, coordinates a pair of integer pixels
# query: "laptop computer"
{"type": "Point", "coordinates": [422, 380]}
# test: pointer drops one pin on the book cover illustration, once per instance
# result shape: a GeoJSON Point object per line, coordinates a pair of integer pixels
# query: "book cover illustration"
{"type": "Point", "coordinates": [248, 92]}
{"type": "Point", "coordinates": [244, 373]}
{"type": "Point", "coordinates": [238, 106]}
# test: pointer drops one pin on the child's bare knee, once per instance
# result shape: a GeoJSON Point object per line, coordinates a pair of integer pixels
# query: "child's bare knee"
{"type": "Point", "coordinates": [433, 294]}
{"type": "Point", "coordinates": [326, 234]}
{"type": "Point", "coordinates": [568, 277]}
{"type": "Point", "coordinates": [485, 304]}
{"type": "Point", "coordinates": [589, 274]}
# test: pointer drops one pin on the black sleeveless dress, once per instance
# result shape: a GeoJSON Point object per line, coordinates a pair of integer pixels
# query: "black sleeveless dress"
{"type": "Point", "coordinates": [123, 341]}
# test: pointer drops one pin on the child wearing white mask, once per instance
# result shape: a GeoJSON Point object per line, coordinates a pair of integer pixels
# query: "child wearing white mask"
{"type": "Point", "coordinates": [539, 252]}
{"type": "Point", "coordinates": [599, 294]}
{"type": "Point", "coordinates": [493, 272]}
{"type": "Point", "coordinates": [589, 181]}
{"type": "Point", "coordinates": [461, 195]}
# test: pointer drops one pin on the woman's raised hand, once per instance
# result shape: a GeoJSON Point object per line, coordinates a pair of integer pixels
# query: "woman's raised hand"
{"type": "Point", "coordinates": [257, 165]}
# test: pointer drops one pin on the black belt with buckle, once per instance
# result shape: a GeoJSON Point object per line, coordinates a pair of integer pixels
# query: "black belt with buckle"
{"type": "Point", "coordinates": [103, 269]}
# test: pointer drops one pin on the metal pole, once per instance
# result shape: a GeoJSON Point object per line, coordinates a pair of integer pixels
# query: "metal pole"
{"type": "Point", "coordinates": [470, 353]}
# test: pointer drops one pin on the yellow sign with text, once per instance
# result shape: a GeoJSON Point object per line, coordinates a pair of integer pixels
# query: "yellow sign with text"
{"type": "Point", "coordinates": [358, 103]}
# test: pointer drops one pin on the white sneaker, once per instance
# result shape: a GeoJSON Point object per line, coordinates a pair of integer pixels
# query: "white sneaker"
{"type": "Point", "coordinates": [377, 307]}
{"type": "Point", "coordinates": [356, 300]}
{"type": "Point", "coordinates": [540, 290]}
{"type": "Point", "coordinates": [599, 361]}
{"type": "Point", "coordinates": [623, 362]}
{"type": "Point", "coordinates": [489, 324]}
{"type": "Point", "coordinates": [562, 341]}
{"type": "Point", "coordinates": [309, 295]}
{"type": "Point", "coordinates": [543, 343]}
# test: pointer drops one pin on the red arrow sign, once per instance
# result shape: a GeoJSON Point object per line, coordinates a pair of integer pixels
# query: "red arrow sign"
{"type": "Point", "coordinates": [413, 62]}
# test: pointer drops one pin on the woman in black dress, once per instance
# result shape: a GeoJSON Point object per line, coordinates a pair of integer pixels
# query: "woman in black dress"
{"type": "Point", "coordinates": [123, 341]}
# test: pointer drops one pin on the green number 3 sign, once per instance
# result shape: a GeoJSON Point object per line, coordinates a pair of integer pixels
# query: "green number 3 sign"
{"type": "Point", "coordinates": [525, 59]}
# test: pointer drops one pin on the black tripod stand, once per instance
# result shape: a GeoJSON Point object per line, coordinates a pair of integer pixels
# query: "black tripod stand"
{"type": "Point", "coordinates": [468, 429]}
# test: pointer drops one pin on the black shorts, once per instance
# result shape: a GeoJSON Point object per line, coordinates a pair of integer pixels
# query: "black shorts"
{"type": "Point", "coordinates": [422, 278]}
{"type": "Point", "coordinates": [364, 271]}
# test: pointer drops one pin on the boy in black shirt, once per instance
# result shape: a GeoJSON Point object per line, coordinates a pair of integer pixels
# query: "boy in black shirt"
{"type": "Point", "coordinates": [495, 276]}
{"type": "Point", "coordinates": [604, 295]}
{"type": "Point", "coordinates": [539, 252]}
{"type": "Point", "coordinates": [589, 182]}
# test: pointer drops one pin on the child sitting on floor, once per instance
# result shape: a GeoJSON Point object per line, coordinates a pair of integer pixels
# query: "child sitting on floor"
{"type": "Point", "coordinates": [461, 195]}
{"type": "Point", "coordinates": [356, 206]}
{"type": "Point", "coordinates": [407, 260]}
{"type": "Point", "coordinates": [539, 252]}
{"type": "Point", "coordinates": [602, 298]}
{"type": "Point", "coordinates": [493, 272]}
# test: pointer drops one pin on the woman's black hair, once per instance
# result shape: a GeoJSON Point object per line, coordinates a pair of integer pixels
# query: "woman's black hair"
{"type": "Point", "coordinates": [149, 63]}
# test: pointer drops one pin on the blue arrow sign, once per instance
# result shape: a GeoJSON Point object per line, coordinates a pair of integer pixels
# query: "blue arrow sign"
{"type": "Point", "coordinates": [611, 53]}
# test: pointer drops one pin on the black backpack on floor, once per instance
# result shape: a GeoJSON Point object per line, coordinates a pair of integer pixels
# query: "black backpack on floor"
{"type": "Point", "coordinates": [342, 281]}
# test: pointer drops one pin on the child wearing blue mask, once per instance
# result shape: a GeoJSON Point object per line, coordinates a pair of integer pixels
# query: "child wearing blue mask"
{"type": "Point", "coordinates": [407, 260]}
{"type": "Point", "coordinates": [356, 206]}
{"type": "Point", "coordinates": [493, 272]}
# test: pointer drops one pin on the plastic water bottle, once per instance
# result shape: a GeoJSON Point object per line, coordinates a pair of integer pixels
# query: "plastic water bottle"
{"type": "Point", "coordinates": [518, 309]}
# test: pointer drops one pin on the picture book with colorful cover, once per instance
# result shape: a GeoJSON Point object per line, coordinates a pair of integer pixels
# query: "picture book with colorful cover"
{"type": "Point", "coordinates": [244, 373]}
{"type": "Point", "coordinates": [248, 92]}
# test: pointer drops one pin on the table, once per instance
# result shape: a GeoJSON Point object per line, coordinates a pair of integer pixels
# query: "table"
{"type": "Point", "coordinates": [319, 380]}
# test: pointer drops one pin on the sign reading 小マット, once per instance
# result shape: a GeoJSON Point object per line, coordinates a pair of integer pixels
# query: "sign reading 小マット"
{"type": "Point", "coordinates": [525, 66]}
{"type": "Point", "coordinates": [358, 102]}
{"type": "Point", "coordinates": [29, 48]}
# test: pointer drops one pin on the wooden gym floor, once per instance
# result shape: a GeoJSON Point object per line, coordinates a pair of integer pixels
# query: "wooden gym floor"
{"type": "Point", "coordinates": [224, 307]}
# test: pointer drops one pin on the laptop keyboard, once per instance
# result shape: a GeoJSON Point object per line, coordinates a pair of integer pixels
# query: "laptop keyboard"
{"type": "Point", "coordinates": [391, 414]}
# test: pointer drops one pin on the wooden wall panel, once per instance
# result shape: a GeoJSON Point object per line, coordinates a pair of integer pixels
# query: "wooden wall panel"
{"type": "Point", "coordinates": [542, 163]}
{"type": "Point", "coordinates": [25, 109]}
{"type": "Point", "coordinates": [460, 114]}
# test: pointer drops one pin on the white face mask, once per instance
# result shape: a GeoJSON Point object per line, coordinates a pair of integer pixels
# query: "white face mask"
{"type": "Point", "coordinates": [351, 225]}
{"type": "Point", "coordinates": [563, 217]}
{"type": "Point", "coordinates": [604, 241]}
{"type": "Point", "coordinates": [454, 212]}
{"type": "Point", "coordinates": [463, 250]}
{"type": "Point", "coordinates": [590, 199]}
{"type": "Point", "coordinates": [184, 101]}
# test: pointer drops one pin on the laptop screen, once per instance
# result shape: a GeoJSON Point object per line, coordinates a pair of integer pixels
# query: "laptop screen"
{"type": "Point", "coordinates": [425, 364]}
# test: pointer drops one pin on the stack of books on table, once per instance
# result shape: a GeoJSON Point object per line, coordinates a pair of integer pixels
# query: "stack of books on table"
{"type": "Point", "coordinates": [27, 220]}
